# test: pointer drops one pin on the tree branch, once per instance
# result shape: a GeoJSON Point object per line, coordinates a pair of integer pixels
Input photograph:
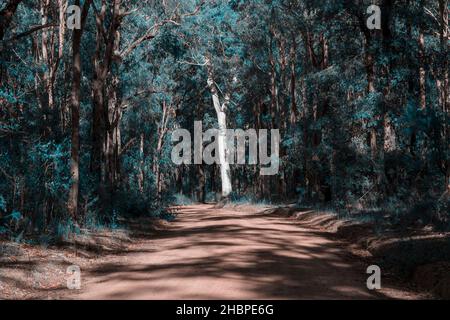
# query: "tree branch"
{"type": "Point", "coordinates": [31, 31]}
{"type": "Point", "coordinates": [153, 31]}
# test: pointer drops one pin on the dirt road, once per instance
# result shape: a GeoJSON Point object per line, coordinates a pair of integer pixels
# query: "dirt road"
{"type": "Point", "coordinates": [212, 253]}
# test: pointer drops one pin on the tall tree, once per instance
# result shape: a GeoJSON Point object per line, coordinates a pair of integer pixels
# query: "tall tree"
{"type": "Point", "coordinates": [72, 204]}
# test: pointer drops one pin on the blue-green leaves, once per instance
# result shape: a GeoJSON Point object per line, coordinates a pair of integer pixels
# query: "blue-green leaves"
{"type": "Point", "coordinates": [2, 204]}
{"type": "Point", "coordinates": [15, 216]}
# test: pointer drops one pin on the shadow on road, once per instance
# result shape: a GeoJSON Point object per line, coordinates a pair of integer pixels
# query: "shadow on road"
{"type": "Point", "coordinates": [222, 254]}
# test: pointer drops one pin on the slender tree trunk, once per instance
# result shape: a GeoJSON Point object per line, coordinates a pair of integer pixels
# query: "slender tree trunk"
{"type": "Point", "coordinates": [279, 105]}
{"type": "Point", "coordinates": [141, 164]}
{"type": "Point", "coordinates": [370, 67]}
{"type": "Point", "coordinates": [100, 93]}
{"type": "Point", "coordinates": [225, 172]}
{"type": "Point", "coordinates": [72, 205]}
{"type": "Point", "coordinates": [443, 9]}
{"type": "Point", "coordinates": [55, 58]}
{"type": "Point", "coordinates": [445, 100]}
{"type": "Point", "coordinates": [422, 75]}
{"type": "Point", "coordinates": [75, 137]}
{"type": "Point", "coordinates": [44, 41]}
{"type": "Point", "coordinates": [293, 57]}
{"type": "Point", "coordinates": [97, 98]}
{"type": "Point", "coordinates": [370, 71]}
{"type": "Point", "coordinates": [325, 51]}
{"type": "Point", "coordinates": [202, 184]}
{"type": "Point", "coordinates": [387, 35]}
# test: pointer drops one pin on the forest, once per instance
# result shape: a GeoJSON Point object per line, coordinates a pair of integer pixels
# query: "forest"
{"type": "Point", "coordinates": [91, 92]}
{"type": "Point", "coordinates": [86, 115]}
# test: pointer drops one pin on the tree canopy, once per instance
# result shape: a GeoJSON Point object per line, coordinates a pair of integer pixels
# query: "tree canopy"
{"type": "Point", "coordinates": [86, 115]}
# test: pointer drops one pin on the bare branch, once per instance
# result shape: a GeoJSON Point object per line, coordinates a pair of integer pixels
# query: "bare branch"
{"type": "Point", "coordinates": [193, 63]}
{"type": "Point", "coordinates": [127, 146]}
{"type": "Point", "coordinates": [152, 32]}
{"type": "Point", "coordinates": [32, 30]}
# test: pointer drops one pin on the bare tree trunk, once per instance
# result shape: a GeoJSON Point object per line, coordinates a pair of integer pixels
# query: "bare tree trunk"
{"type": "Point", "coordinates": [325, 51]}
{"type": "Point", "coordinates": [274, 107]}
{"type": "Point", "coordinates": [445, 100]}
{"type": "Point", "coordinates": [162, 131]}
{"type": "Point", "coordinates": [44, 41]}
{"type": "Point", "coordinates": [387, 35]}
{"type": "Point", "coordinates": [370, 71]}
{"type": "Point", "coordinates": [72, 204]}
{"type": "Point", "coordinates": [54, 62]}
{"type": "Point", "coordinates": [370, 67]}
{"type": "Point", "coordinates": [305, 158]}
{"type": "Point", "coordinates": [105, 102]}
{"type": "Point", "coordinates": [293, 57]}
{"type": "Point", "coordinates": [98, 125]}
{"type": "Point", "coordinates": [141, 164]}
{"type": "Point", "coordinates": [201, 184]}
{"type": "Point", "coordinates": [284, 118]}
{"type": "Point", "coordinates": [443, 13]}
{"type": "Point", "coordinates": [225, 172]}
{"type": "Point", "coordinates": [422, 75]}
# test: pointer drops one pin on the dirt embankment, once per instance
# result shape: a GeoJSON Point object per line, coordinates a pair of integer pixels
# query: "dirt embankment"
{"type": "Point", "coordinates": [40, 271]}
{"type": "Point", "coordinates": [418, 256]}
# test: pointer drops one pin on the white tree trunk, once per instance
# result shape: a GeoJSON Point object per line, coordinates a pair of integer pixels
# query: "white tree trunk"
{"type": "Point", "coordinates": [225, 173]}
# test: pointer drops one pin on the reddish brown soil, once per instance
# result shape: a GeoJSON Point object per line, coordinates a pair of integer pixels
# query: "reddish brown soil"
{"type": "Point", "coordinates": [209, 253]}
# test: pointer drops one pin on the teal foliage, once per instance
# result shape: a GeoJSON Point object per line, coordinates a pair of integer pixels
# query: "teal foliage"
{"type": "Point", "coordinates": [2, 204]}
{"type": "Point", "coordinates": [333, 152]}
{"type": "Point", "coordinates": [181, 200]}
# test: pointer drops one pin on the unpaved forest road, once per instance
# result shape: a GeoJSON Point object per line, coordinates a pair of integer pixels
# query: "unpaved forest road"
{"type": "Point", "coordinates": [212, 253]}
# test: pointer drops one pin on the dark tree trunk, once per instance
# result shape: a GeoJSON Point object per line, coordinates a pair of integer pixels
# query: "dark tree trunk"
{"type": "Point", "coordinates": [72, 205]}
{"type": "Point", "coordinates": [293, 57]}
